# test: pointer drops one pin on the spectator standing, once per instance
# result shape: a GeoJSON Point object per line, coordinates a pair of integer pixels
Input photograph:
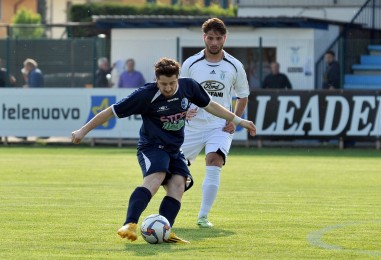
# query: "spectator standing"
{"type": "Point", "coordinates": [25, 77]}
{"type": "Point", "coordinates": [103, 74]}
{"type": "Point", "coordinates": [35, 77]}
{"type": "Point", "coordinates": [331, 77]}
{"type": "Point", "coordinates": [276, 80]}
{"type": "Point", "coordinates": [5, 79]}
{"type": "Point", "coordinates": [117, 70]}
{"type": "Point", "coordinates": [3, 76]}
{"type": "Point", "coordinates": [131, 78]}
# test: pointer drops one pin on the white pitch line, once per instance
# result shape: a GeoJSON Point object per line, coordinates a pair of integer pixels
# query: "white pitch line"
{"type": "Point", "coordinates": [316, 238]}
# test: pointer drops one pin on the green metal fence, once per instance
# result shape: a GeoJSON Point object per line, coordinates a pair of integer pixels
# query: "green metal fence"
{"type": "Point", "coordinates": [64, 62]}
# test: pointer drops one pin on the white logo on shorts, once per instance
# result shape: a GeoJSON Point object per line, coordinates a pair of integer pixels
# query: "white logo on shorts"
{"type": "Point", "coordinates": [147, 162]}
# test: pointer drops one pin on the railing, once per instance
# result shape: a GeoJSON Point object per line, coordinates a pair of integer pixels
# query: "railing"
{"type": "Point", "coordinates": [65, 61]}
{"type": "Point", "coordinates": [363, 30]}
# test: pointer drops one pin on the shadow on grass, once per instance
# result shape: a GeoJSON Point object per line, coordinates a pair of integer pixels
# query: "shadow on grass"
{"type": "Point", "coordinates": [194, 235]}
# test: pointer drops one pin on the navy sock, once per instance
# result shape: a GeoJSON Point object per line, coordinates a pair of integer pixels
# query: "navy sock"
{"type": "Point", "coordinates": [139, 200]}
{"type": "Point", "coordinates": [169, 208]}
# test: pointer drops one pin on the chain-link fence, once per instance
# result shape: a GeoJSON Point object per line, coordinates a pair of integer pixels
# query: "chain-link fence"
{"type": "Point", "coordinates": [64, 63]}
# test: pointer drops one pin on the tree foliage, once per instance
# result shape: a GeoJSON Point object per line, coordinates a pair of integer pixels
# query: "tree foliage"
{"type": "Point", "coordinates": [83, 12]}
{"type": "Point", "coordinates": [23, 21]}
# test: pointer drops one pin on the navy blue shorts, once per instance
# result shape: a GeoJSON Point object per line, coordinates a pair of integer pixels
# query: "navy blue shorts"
{"type": "Point", "coordinates": [154, 160]}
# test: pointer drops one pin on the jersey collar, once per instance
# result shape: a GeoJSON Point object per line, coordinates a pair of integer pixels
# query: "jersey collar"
{"type": "Point", "coordinates": [158, 93]}
{"type": "Point", "coordinates": [223, 57]}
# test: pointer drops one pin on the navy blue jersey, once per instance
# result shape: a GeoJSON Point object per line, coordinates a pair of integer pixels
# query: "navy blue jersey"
{"type": "Point", "coordinates": [163, 118]}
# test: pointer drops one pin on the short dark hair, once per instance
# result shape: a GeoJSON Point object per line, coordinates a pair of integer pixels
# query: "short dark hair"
{"type": "Point", "coordinates": [214, 24]}
{"type": "Point", "coordinates": [130, 60]}
{"type": "Point", "coordinates": [330, 52]}
{"type": "Point", "coordinates": [167, 67]}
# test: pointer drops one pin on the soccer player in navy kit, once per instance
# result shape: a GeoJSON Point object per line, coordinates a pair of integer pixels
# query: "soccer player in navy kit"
{"type": "Point", "coordinates": [163, 106]}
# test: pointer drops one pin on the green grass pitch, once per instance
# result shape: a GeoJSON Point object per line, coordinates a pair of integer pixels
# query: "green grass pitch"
{"type": "Point", "coordinates": [60, 203]}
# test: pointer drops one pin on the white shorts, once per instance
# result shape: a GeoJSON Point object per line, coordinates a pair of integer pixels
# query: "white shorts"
{"type": "Point", "coordinates": [214, 140]}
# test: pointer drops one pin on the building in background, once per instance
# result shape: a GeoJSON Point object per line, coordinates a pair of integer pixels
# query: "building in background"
{"type": "Point", "coordinates": [9, 7]}
{"type": "Point", "coordinates": [296, 43]}
{"type": "Point", "coordinates": [57, 11]}
{"type": "Point", "coordinates": [338, 10]}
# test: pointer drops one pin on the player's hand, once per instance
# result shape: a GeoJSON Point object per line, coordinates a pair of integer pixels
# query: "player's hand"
{"type": "Point", "coordinates": [251, 128]}
{"type": "Point", "coordinates": [192, 112]}
{"type": "Point", "coordinates": [229, 127]}
{"type": "Point", "coordinates": [77, 136]}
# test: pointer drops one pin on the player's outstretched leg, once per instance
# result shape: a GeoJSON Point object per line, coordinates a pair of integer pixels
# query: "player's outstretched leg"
{"type": "Point", "coordinates": [209, 194]}
{"type": "Point", "coordinates": [169, 208]}
{"type": "Point", "coordinates": [170, 205]}
{"type": "Point", "coordinates": [138, 202]}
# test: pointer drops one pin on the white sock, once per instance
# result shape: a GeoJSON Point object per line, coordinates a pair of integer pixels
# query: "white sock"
{"type": "Point", "coordinates": [209, 189]}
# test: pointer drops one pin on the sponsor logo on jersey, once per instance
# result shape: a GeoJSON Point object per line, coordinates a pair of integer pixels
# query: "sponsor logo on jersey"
{"type": "Point", "coordinates": [222, 75]}
{"type": "Point", "coordinates": [172, 99]}
{"type": "Point", "coordinates": [162, 108]}
{"type": "Point", "coordinates": [99, 103]}
{"type": "Point", "coordinates": [212, 72]}
{"type": "Point", "coordinates": [174, 122]}
{"type": "Point", "coordinates": [214, 88]}
{"type": "Point", "coordinates": [184, 103]}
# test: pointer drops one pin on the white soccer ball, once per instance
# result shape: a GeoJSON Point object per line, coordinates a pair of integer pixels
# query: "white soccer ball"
{"type": "Point", "coordinates": [155, 229]}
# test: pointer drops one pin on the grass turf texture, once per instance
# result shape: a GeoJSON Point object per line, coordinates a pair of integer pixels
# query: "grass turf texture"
{"type": "Point", "coordinates": [69, 202]}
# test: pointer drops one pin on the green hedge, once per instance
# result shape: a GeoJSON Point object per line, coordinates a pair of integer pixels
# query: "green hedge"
{"type": "Point", "coordinates": [83, 12]}
{"type": "Point", "coordinates": [26, 17]}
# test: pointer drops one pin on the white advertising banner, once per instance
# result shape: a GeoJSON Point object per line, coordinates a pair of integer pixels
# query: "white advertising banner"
{"type": "Point", "coordinates": [57, 112]}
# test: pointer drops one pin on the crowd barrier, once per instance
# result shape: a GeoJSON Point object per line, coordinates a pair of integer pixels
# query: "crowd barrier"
{"type": "Point", "coordinates": [278, 114]}
{"type": "Point", "coordinates": [57, 112]}
{"type": "Point", "coordinates": [320, 114]}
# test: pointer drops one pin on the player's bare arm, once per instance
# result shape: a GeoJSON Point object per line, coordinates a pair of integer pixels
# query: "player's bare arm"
{"type": "Point", "coordinates": [219, 111]}
{"type": "Point", "coordinates": [240, 106]}
{"type": "Point", "coordinates": [99, 119]}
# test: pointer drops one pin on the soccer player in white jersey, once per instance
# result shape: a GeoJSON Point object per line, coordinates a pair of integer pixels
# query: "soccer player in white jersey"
{"type": "Point", "coordinates": [222, 76]}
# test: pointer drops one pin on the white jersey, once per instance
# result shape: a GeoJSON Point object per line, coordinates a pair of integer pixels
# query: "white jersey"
{"type": "Point", "coordinates": [221, 80]}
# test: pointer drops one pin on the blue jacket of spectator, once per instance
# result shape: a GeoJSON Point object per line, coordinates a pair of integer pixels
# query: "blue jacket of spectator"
{"type": "Point", "coordinates": [35, 79]}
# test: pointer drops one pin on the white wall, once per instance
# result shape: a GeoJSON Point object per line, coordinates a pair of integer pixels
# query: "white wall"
{"type": "Point", "coordinates": [145, 46]}
{"type": "Point", "coordinates": [294, 50]}
{"type": "Point", "coordinates": [295, 47]}
{"type": "Point", "coordinates": [323, 39]}
{"type": "Point", "coordinates": [56, 13]}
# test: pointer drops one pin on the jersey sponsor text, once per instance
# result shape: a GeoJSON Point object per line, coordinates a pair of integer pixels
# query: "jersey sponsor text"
{"type": "Point", "coordinates": [214, 88]}
{"type": "Point", "coordinates": [174, 122]}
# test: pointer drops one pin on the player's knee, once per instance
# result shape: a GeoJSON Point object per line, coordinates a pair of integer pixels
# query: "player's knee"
{"type": "Point", "coordinates": [214, 159]}
{"type": "Point", "coordinates": [153, 182]}
{"type": "Point", "coordinates": [176, 188]}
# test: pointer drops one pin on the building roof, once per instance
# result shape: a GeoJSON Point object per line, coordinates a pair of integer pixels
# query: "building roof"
{"type": "Point", "coordinates": [174, 21]}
